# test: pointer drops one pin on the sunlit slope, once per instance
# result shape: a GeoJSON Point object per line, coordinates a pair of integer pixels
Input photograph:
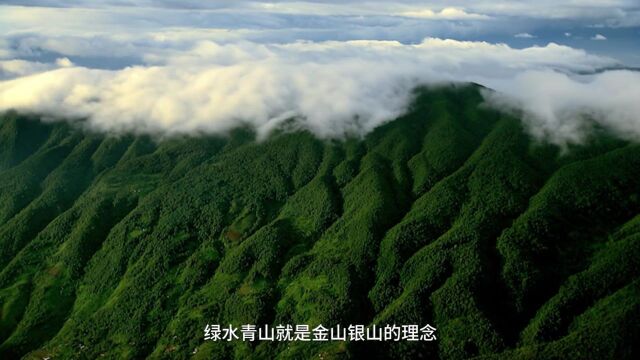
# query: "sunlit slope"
{"type": "Point", "coordinates": [125, 246]}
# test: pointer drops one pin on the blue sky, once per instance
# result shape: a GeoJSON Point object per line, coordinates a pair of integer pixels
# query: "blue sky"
{"type": "Point", "coordinates": [574, 23]}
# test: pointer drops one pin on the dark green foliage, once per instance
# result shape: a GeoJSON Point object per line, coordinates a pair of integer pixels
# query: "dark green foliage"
{"type": "Point", "coordinates": [126, 246]}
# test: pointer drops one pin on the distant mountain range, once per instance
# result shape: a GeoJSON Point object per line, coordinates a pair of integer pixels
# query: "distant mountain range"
{"type": "Point", "coordinates": [126, 246]}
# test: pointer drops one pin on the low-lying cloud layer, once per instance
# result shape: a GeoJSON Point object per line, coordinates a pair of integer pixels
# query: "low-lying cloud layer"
{"type": "Point", "coordinates": [333, 88]}
{"type": "Point", "coordinates": [561, 108]}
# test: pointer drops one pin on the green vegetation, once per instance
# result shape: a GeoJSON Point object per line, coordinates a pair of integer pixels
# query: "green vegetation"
{"type": "Point", "coordinates": [126, 246]}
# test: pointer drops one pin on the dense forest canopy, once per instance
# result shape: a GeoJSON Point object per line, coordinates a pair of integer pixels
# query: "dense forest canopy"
{"type": "Point", "coordinates": [126, 246]}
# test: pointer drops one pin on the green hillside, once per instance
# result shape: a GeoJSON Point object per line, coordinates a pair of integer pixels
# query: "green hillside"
{"type": "Point", "coordinates": [127, 246]}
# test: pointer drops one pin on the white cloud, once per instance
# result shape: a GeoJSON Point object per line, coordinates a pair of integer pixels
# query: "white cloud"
{"type": "Point", "coordinates": [64, 62]}
{"type": "Point", "coordinates": [332, 87]}
{"type": "Point", "coordinates": [448, 13]}
{"type": "Point", "coordinates": [17, 68]}
{"type": "Point", "coordinates": [599, 37]}
{"type": "Point", "coordinates": [562, 108]}
{"type": "Point", "coordinates": [208, 66]}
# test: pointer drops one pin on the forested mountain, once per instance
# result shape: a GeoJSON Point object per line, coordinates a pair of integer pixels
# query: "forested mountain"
{"type": "Point", "coordinates": [126, 246]}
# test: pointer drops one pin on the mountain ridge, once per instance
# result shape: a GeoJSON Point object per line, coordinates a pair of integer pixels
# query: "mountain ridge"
{"type": "Point", "coordinates": [450, 215]}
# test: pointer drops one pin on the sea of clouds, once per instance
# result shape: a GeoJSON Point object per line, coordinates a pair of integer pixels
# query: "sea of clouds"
{"type": "Point", "coordinates": [331, 88]}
